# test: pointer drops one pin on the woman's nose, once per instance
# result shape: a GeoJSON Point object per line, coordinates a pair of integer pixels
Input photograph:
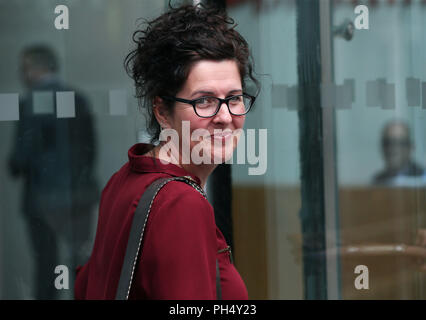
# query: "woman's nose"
{"type": "Point", "coordinates": [223, 114]}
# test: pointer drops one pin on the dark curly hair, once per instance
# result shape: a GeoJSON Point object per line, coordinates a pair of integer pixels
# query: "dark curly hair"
{"type": "Point", "coordinates": [169, 46]}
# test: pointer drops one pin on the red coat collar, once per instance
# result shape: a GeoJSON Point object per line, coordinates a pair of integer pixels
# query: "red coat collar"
{"type": "Point", "coordinates": [140, 163]}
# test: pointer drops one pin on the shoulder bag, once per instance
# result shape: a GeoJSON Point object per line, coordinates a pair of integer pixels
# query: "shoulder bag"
{"type": "Point", "coordinates": [137, 231]}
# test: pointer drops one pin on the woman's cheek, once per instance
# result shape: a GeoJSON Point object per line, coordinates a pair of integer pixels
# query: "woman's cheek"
{"type": "Point", "coordinates": [239, 122]}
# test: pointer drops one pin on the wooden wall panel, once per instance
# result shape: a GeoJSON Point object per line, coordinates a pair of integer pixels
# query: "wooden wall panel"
{"type": "Point", "coordinates": [371, 216]}
{"type": "Point", "coordinates": [249, 228]}
{"type": "Point", "coordinates": [368, 216]}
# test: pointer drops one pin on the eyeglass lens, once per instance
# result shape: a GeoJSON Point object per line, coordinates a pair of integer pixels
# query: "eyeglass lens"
{"type": "Point", "coordinates": [207, 106]}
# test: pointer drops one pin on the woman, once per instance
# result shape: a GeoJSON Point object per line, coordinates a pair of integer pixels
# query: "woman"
{"type": "Point", "coordinates": [189, 69]}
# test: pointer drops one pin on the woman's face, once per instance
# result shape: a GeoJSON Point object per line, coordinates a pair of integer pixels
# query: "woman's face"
{"type": "Point", "coordinates": [209, 78]}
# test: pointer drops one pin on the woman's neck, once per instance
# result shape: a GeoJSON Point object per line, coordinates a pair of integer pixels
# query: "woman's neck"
{"type": "Point", "coordinates": [202, 171]}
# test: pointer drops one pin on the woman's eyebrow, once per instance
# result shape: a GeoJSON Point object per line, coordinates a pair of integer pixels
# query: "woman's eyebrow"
{"type": "Point", "coordinates": [212, 93]}
{"type": "Point", "coordinates": [235, 91]}
{"type": "Point", "coordinates": [203, 92]}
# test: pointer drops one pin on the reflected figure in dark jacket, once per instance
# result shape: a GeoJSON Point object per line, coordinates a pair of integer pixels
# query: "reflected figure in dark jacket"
{"type": "Point", "coordinates": [397, 148]}
{"type": "Point", "coordinates": [55, 156]}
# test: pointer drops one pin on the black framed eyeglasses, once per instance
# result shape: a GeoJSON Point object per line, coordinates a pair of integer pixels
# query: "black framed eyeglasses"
{"type": "Point", "coordinates": [207, 107]}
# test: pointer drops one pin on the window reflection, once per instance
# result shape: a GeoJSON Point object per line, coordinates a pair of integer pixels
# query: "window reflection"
{"type": "Point", "coordinates": [397, 148]}
{"type": "Point", "coordinates": [380, 152]}
{"type": "Point", "coordinates": [59, 133]}
{"type": "Point", "coordinates": [53, 153]}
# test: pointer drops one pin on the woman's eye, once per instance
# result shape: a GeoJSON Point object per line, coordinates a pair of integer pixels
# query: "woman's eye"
{"type": "Point", "coordinates": [236, 99]}
{"type": "Point", "coordinates": [205, 101]}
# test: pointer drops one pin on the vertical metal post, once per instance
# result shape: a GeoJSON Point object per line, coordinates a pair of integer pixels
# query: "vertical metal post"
{"type": "Point", "coordinates": [220, 195]}
{"type": "Point", "coordinates": [329, 155]}
{"type": "Point", "coordinates": [218, 3]}
{"type": "Point", "coordinates": [312, 213]}
{"type": "Point", "coordinates": [319, 212]}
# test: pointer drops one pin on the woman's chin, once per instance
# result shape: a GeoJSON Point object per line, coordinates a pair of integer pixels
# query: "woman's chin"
{"type": "Point", "coordinates": [221, 155]}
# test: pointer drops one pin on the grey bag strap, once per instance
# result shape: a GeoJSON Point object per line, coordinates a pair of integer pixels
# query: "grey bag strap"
{"type": "Point", "coordinates": [137, 231]}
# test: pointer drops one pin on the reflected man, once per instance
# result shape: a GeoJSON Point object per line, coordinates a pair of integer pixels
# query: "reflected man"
{"type": "Point", "coordinates": [397, 148]}
{"type": "Point", "coordinates": [55, 156]}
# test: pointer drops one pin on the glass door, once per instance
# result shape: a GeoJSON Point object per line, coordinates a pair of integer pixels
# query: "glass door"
{"type": "Point", "coordinates": [340, 211]}
{"type": "Point", "coordinates": [330, 205]}
{"type": "Point", "coordinates": [378, 96]}
{"type": "Point", "coordinates": [67, 118]}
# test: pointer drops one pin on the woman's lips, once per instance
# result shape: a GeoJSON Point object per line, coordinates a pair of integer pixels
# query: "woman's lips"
{"type": "Point", "coordinates": [222, 135]}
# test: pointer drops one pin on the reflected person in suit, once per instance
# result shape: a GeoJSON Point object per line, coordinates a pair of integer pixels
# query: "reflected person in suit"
{"type": "Point", "coordinates": [55, 157]}
{"type": "Point", "coordinates": [397, 148]}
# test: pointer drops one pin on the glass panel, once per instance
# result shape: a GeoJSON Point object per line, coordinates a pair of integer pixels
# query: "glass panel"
{"type": "Point", "coordinates": [267, 228]}
{"type": "Point", "coordinates": [380, 131]}
{"type": "Point", "coordinates": [67, 119]}
{"type": "Point", "coordinates": [374, 181]}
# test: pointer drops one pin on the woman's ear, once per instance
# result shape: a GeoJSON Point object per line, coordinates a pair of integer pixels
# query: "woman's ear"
{"type": "Point", "coordinates": [161, 113]}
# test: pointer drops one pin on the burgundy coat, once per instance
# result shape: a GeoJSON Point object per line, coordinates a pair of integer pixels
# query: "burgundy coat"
{"type": "Point", "coordinates": [180, 246]}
